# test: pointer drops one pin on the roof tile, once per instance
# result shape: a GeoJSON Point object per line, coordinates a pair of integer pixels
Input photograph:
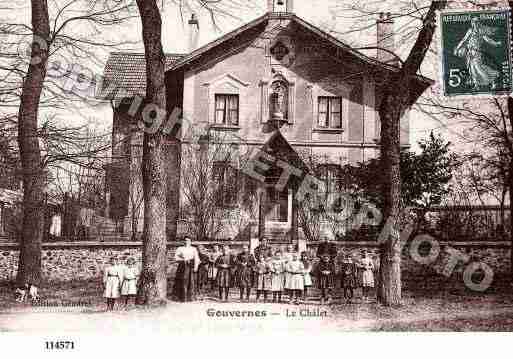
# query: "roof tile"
{"type": "Point", "coordinates": [127, 70]}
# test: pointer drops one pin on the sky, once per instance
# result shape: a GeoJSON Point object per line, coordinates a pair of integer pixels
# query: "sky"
{"type": "Point", "coordinates": [331, 15]}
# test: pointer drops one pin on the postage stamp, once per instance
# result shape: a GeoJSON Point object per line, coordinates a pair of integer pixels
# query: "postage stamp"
{"type": "Point", "coordinates": [475, 53]}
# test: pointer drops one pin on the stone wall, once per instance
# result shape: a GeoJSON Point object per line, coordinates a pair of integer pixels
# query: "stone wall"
{"type": "Point", "coordinates": [85, 261]}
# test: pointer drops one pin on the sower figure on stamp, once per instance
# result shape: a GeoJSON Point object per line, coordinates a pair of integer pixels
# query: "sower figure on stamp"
{"type": "Point", "coordinates": [325, 273]}
{"type": "Point", "coordinates": [130, 278]}
{"type": "Point", "coordinates": [224, 265]}
{"type": "Point", "coordinates": [188, 263]}
{"type": "Point", "coordinates": [112, 278]}
{"type": "Point", "coordinates": [472, 48]}
{"type": "Point", "coordinates": [245, 264]}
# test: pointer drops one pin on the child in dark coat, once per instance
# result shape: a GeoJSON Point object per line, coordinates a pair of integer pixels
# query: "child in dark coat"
{"type": "Point", "coordinates": [224, 265]}
{"type": "Point", "coordinates": [348, 277]}
{"type": "Point", "coordinates": [325, 273]}
{"type": "Point", "coordinates": [244, 272]}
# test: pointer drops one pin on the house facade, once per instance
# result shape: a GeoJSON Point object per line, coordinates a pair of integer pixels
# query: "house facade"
{"type": "Point", "coordinates": [279, 90]}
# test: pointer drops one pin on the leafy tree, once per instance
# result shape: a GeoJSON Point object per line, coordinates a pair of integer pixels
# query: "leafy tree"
{"type": "Point", "coordinates": [424, 176]}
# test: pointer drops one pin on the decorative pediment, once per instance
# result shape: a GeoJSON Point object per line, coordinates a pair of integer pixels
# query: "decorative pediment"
{"type": "Point", "coordinates": [225, 84]}
{"type": "Point", "coordinates": [227, 80]}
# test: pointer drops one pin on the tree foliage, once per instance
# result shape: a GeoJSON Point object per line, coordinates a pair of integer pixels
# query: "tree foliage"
{"type": "Point", "coordinates": [424, 176]}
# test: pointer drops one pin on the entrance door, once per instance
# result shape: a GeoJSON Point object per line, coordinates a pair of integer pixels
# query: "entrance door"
{"type": "Point", "coordinates": [278, 203]}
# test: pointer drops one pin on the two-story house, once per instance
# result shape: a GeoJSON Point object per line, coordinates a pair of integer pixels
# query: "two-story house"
{"type": "Point", "coordinates": [277, 84]}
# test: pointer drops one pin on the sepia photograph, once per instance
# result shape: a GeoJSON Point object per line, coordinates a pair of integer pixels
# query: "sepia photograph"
{"type": "Point", "coordinates": [202, 167]}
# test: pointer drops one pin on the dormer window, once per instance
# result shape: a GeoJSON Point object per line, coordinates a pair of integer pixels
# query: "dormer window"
{"type": "Point", "coordinates": [329, 112]}
{"type": "Point", "coordinates": [227, 109]}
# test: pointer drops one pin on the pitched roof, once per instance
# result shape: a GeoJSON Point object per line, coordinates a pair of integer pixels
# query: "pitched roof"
{"type": "Point", "coordinates": [278, 147]}
{"type": "Point", "coordinates": [127, 70]}
{"type": "Point", "coordinates": [319, 32]}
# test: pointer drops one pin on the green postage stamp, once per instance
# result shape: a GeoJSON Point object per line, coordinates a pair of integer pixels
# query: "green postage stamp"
{"type": "Point", "coordinates": [476, 52]}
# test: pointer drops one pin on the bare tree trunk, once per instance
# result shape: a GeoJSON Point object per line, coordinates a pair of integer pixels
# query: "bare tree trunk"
{"type": "Point", "coordinates": [29, 269]}
{"type": "Point", "coordinates": [390, 258]}
{"type": "Point", "coordinates": [510, 185]}
{"type": "Point", "coordinates": [510, 177]}
{"type": "Point", "coordinates": [153, 287]}
{"type": "Point", "coordinates": [393, 106]}
{"type": "Point", "coordinates": [510, 180]}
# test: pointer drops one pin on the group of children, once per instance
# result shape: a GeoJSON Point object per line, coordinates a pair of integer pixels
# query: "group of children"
{"type": "Point", "coordinates": [283, 273]}
{"type": "Point", "coordinates": [269, 272]}
{"type": "Point", "coordinates": [120, 280]}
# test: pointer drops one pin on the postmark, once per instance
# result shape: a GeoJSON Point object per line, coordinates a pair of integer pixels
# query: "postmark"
{"type": "Point", "coordinates": [475, 53]}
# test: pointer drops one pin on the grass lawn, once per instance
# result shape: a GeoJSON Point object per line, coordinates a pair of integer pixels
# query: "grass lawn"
{"type": "Point", "coordinates": [442, 307]}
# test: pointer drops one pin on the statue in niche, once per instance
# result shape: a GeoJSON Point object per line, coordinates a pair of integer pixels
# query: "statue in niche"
{"type": "Point", "coordinates": [279, 100]}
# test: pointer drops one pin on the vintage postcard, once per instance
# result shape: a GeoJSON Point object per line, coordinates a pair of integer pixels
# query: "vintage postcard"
{"type": "Point", "coordinates": [475, 52]}
{"type": "Point", "coordinates": [261, 168]}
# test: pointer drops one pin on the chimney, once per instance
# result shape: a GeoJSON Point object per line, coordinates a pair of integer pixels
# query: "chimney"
{"type": "Point", "coordinates": [386, 38]}
{"type": "Point", "coordinates": [280, 6]}
{"type": "Point", "coordinates": [290, 6]}
{"type": "Point", "coordinates": [193, 33]}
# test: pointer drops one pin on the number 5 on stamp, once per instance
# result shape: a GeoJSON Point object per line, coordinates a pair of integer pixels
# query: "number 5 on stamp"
{"type": "Point", "coordinates": [476, 52]}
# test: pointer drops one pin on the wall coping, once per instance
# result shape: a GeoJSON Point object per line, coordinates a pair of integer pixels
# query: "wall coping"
{"type": "Point", "coordinates": [132, 244]}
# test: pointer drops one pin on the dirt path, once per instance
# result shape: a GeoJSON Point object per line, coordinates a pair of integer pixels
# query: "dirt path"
{"type": "Point", "coordinates": [213, 317]}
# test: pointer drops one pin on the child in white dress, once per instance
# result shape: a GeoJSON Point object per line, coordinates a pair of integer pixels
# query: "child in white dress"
{"type": "Point", "coordinates": [368, 274]}
{"type": "Point", "coordinates": [296, 271]}
{"type": "Point", "coordinates": [307, 277]}
{"type": "Point", "coordinates": [277, 270]}
{"type": "Point", "coordinates": [112, 278]}
{"type": "Point", "coordinates": [130, 278]}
